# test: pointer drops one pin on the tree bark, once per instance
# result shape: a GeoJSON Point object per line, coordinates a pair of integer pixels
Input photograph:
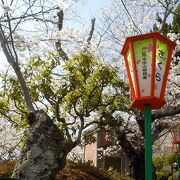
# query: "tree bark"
{"type": "Point", "coordinates": [138, 167]}
{"type": "Point", "coordinates": [135, 155]}
{"type": "Point", "coordinates": [44, 152]}
{"type": "Point", "coordinates": [14, 64]}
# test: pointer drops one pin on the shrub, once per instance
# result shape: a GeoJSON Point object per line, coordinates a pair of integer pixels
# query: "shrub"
{"type": "Point", "coordinates": [115, 175]}
{"type": "Point", "coordinates": [85, 171]}
{"type": "Point", "coordinates": [163, 175]}
{"type": "Point", "coordinates": [161, 164]}
{"type": "Point", "coordinates": [158, 162]}
{"type": "Point", "coordinates": [82, 171]}
{"type": "Point", "coordinates": [170, 158]}
{"type": "Point", "coordinates": [72, 171]}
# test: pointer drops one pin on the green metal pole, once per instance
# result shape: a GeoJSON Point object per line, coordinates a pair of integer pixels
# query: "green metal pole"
{"type": "Point", "coordinates": [148, 143]}
{"type": "Point", "coordinates": [178, 161]}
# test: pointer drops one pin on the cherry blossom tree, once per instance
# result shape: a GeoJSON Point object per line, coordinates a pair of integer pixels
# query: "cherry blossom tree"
{"type": "Point", "coordinates": [137, 21]}
{"type": "Point", "coordinates": [26, 28]}
{"type": "Point", "coordinates": [57, 96]}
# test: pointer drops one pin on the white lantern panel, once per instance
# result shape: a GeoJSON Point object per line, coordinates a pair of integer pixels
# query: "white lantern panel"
{"type": "Point", "coordinates": [177, 133]}
{"type": "Point", "coordinates": [143, 51]}
{"type": "Point", "coordinates": [129, 59]}
{"type": "Point", "coordinates": [161, 61]}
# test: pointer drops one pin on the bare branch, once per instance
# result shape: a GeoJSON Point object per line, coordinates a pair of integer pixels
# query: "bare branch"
{"type": "Point", "coordinates": [60, 15]}
{"type": "Point", "coordinates": [108, 27]}
{"type": "Point", "coordinates": [140, 120]}
{"type": "Point", "coordinates": [10, 120]}
{"type": "Point", "coordinates": [78, 140]}
{"type": "Point", "coordinates": [62, 53]}
{"type": "Point", "coordinates": [62, 119]}
{"type": "Point", "coordinates": [170, 111]}
{"type": "Point", "coordinates": [178, 85]}
{"type": "Point", "coordinates": [125, 143]}
{"type": "Point", "coordinates": [165, 136]}
{"type": "Point", "coordinates": [12, 41]}
{"type": "Point", "coordinates": [21, 18]}
{"type": "Point", "coordinates": [131, 17]}
{"type": "Point", "coordinates": [92, 30]}
{"type": "Point", "coordinates": [27, 17]}
{"type": "Point", "coordinates": [169, 9]}
{"type": "Point", "coordinates": [58, 44]}
{"type": "Point", "coordinates": [91, 123]}
{"type": "Point", "coordinates": [158, 129]}
{"type": "Point", "coordinates": [17, 70]}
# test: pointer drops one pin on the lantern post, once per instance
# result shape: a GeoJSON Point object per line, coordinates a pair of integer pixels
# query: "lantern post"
{"type": "Point", "coordinates": [147, 60]}
{"type": "Point", "coordinates": [148, 142]}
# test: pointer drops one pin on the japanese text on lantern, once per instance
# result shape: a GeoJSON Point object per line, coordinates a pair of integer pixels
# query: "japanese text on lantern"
{"type": "Point", "coordinates": [162, 50]}
{"type": "Point", "coordinates": [144, 63]}
{"type": "Point", "coordinates": [159, 65]}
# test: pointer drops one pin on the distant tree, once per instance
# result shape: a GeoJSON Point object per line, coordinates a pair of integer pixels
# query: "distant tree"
{"type": "Point", "coordinates": [78, 94]}
{"type": "Point", "coordinates": [131, 139]}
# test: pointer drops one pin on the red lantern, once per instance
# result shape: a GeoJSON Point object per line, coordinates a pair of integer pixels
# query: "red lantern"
{"type": "Point", "coordinates": [175, 148]}
{"type": "Point", "coordinates": [175, 132]}
{"type": "Point", "coordinates": [147, 60]}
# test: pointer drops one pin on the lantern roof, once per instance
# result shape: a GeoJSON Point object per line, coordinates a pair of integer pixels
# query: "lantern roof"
{"type": "Point", "coordinates": [156, 35]}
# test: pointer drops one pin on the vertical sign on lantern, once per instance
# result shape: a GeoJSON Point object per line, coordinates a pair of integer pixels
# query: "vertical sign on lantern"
{"type": "Point", "coordinates": [161, 60]}
{"type": "Point", "coordinates": [143, 57]}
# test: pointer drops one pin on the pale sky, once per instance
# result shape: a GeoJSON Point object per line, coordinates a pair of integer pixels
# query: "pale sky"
{"type": "Point", "coordinates": [91, 9]}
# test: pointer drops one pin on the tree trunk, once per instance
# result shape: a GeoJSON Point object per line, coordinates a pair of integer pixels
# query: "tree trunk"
{"type": "Point", "coordinates": [138, 167]}
{"type": "Point", "coordinates": [44, 152]}
{"type": "Point", "coordinates": [135, 155]}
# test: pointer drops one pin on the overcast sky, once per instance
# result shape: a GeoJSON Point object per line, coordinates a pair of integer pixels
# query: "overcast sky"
{"type": "Point", "coordinates": [93, 7]}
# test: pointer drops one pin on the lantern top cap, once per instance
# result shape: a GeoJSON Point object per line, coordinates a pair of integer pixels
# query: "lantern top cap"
{"type": "Point", "coordinates": [155, 35]}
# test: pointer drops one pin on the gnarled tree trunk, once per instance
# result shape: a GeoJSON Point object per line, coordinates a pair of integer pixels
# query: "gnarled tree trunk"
{"type": "Point", "coordinates": [138, 167]}
{"type": "Point", "coordinates": [44, 152]}
{"type": "Point", "coordinates": [135, 155]}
